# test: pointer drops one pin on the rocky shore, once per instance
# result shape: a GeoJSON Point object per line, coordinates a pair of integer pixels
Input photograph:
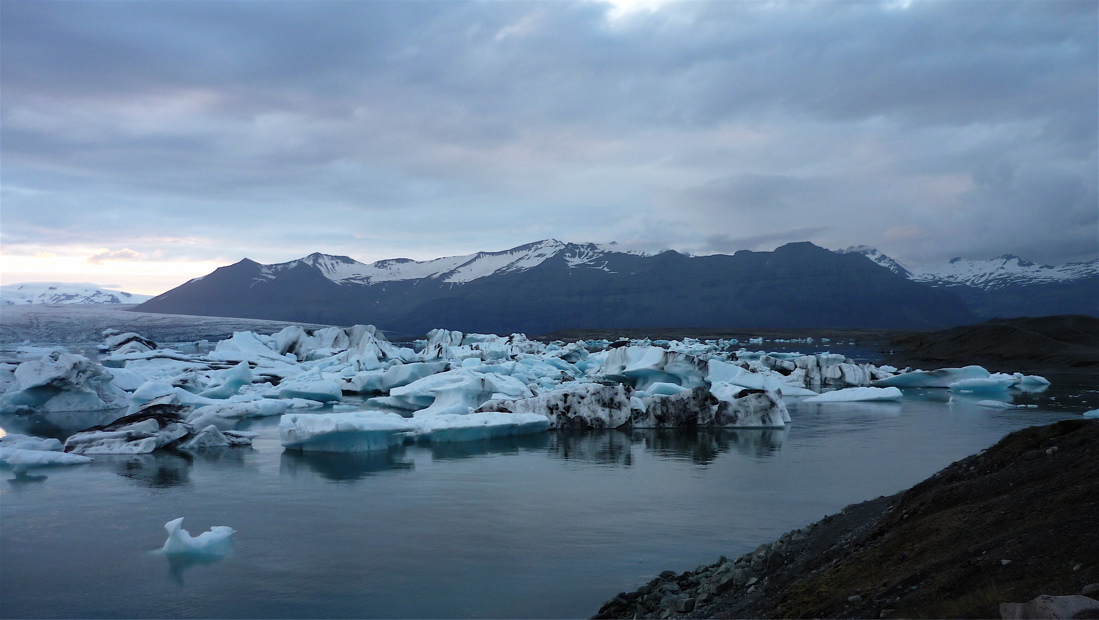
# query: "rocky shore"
{"type": "Point", "coordinates": [1018, 520]}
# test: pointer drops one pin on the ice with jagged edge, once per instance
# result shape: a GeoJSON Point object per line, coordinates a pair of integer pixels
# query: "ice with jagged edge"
{"type": "Point", "coordinates": [452, 386]}
{"type": "Point", "coordinates": [215, 542]}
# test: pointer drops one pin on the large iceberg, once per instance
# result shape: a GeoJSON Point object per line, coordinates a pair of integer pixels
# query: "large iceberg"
{"type": "Point", "coordinates": [355, 431]}
{"type": "Point", "coordinates": [61, 381]}
{"type": "Point", "coordinates": [24, 451]}
{"type": "Point", "coordinates": [586, 405]}
{"type": "Point", "coordinates": [368, 431]}
{"type": "Point", "coordinates": [640, 367]}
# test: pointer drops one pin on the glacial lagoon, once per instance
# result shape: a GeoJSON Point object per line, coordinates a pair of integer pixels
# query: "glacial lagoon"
{"type": "Point", "coordinates": [545, 525]}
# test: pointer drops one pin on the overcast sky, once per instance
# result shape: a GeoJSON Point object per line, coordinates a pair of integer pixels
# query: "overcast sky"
{"type": "Point", "coordinates": [144, 143]}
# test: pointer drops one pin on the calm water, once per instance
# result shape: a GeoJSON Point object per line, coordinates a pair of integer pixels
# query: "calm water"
{"type": "Point", "coordinates": [543, 526]}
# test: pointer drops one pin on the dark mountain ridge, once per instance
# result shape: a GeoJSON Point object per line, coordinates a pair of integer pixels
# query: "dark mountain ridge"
{"type": "Point", "coordinates": [550, 285]}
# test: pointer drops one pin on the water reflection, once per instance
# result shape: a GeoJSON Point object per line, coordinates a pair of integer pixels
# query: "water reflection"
{"type": "Point", "coordinates": [178, 564]}
{"type": "Point", "coordinates": [499, 445]}
{"type": "Point", "coordinates": [342, 466]}
{"type": "Point", "coordinates": [20, 478]}
{"type": "Point", "coordinates": [704, 445]}
{"type": "Point", "coordinates": [604, 447]}
{"type": "Point", "coordinates": [159, 470]}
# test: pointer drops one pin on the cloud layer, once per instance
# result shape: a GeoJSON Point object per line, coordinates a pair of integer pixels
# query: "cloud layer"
{"type": "Point", "coordinates": [420, 129]}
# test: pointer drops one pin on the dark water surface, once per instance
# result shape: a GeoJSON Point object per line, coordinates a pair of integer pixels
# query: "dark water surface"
{"type": "Point", "coordinates": [549, 525]}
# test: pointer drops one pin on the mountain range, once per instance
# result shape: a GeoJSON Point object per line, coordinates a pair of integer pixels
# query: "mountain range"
{"type": "Point", "coordinates": [64, 293]}
{"type": "Point", "coordinates": [1007, 286]}
{"type": "Point", "coordinates": [548, 285]}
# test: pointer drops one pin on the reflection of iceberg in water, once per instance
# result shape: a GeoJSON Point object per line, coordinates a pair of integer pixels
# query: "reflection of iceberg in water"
{"type": "Point", "coordinates": [499, 445]}
{"type": "Point", "coordinates": [179, 564]}
{"type": "Point", "coordinates": [704, 445]}
{"type": "Point", "coordinates": [342, 465]}
{"type": "Point", "coordinates": [604, 447]}
{"type": "Point", "coordinates": [157, 470]}
{"type": "Point", "coordinates": [21, 477]}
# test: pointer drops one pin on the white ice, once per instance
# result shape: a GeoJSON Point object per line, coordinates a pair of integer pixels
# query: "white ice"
{"type": "Point", "coordinates": [61, 381]}
{"type": "Point", "coordinates": [857, 394]}
{"type": "Point", "coordinates": [941, 378]}
{"type": "Point", "coordinates": [216, 541]}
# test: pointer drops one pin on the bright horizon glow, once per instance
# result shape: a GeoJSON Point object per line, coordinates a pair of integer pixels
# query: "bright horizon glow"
{"type": "Point", "coordinates": [143, 277]}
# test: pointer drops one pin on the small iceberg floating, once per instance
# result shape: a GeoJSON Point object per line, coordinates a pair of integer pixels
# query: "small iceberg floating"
{"type": "Point", "coordinates": [215, 542]}
{"type": "Point", "coordinates": [857, 394]}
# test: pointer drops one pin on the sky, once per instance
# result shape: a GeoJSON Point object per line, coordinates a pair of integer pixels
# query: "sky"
{"type": "Point", "coordinates": [146, 143]}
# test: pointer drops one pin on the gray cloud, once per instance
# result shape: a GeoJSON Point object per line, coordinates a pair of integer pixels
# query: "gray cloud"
{"type": "Point", "coordinates": [425, 128]}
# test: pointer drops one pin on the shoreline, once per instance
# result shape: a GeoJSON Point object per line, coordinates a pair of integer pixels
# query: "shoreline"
{"type": "Point", "coordinates": [1007, 524]}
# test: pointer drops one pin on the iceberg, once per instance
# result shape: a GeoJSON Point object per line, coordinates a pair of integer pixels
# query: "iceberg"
{"type": "Point", "coordinates": [585, 405]}
{"type": "Point", "coordinates": [857, 394]}
{"type": "Point", "coordinates": [310, 385]}
{"type": "Point", "coordinates": [998, 382]}
{"type": "Point", "coordinates": [448, 428]}
{"type": "Point", "coordinates": [61, 381]}
{"type": "Point", "coordinates": [233, 380]}
{"type": "Point", "coordinates": [217, 541]}
{"type": "Point", "coordinates": [354, 431]}
{"type": "Point", "coordinates": [736, 408]}
{"type": "Point", "coordinates": [23, 451]}
{"type": "Point", "coordinates": [20, 458]}
{"type": "Point", "coordinates": [641, 367]}
{"type": "Point", "coordinates": [941, 378]}
{"type": "Point", "coordinates": [1094, 413]}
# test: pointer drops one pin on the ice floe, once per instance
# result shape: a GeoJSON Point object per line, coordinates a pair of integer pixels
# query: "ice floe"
{"type": "Point", "coordinates": [857, 394]}
{"type": "Point", "coordinates": [216, 541]}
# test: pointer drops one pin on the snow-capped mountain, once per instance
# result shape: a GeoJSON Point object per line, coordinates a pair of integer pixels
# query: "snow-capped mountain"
{"type": "Point", "coordinates": [65, 293]}
{"type": "Point", "coordinates": [879, 258]}
{"type": "Point", "coordinates": [452, 269]}
{"type": "Point", "coordinates": [548, 285]}
{"type": "Point", "coordinates": [1006, 270]}
{"type": "Point", "coordinates": [1007, 286]}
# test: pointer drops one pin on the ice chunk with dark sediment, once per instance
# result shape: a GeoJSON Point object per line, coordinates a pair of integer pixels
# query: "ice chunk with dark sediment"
{"type": "Point", "coordinates": [156, 426]}
{"type": "Point", "coordinates": [584, 405]}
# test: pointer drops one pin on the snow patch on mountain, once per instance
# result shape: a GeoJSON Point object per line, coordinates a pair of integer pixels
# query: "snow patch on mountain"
{"type": "Point", "coordinates": [1004, 271]}
{"type": "Point", "coordinates": [65, 293]}
{"type": "Point", "coordinates": [455, 269]}
{"type": "Point", "coordinates": [989, 274]}
{"type": "Point", "coordinates": [879, 258]}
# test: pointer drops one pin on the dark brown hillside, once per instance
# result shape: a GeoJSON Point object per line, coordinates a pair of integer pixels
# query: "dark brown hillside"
{"type": "Point", "coordinates": [1016, 521]}
{"type": "Point", "coordinates": [1066, 343]}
